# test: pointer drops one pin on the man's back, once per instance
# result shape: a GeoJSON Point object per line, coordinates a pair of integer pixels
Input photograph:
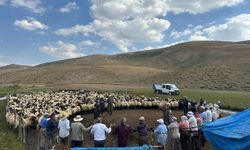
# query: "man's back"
{"type": "Point", "coordinates": [99, 130]}
{"type": "Point", "coordinates": [77, 131]}
{"type": "Point", "coordinates": [122, 132]}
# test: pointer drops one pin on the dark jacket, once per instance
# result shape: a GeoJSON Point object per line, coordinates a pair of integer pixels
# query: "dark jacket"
{"type": "Point", "coordinates": [122, 132]}
{"type": "Point", "coordinates": [51, 127]}
{"type": "Point", "coordinates": [143, 129]}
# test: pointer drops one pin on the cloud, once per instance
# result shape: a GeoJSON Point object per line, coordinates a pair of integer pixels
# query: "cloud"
{"type": "Point", "coordinates": [236, 28]}
{"type": "Point", "coordinates": [30, 24]}
{"type": "Point", "coordinates": [2, 2]}
{"type": "Point", "coordinates": [199, 6]}
{"type": "Point", "coordinates": [3, 64]}
{"type": "Point", "coordinates": [124, 23]}
{"type": "Point", "coordinates": [32, 5]}
{"type": "Point", "coordinates": [127, 9]}
{"type": "Point", "coordinates": [88, 43]}
{"type": "Point", "coordinates": [69, 7]}
{"type": "Point", "coordinates": [60, 49]}
{"type": "Point", "coordinates": [83, 29]}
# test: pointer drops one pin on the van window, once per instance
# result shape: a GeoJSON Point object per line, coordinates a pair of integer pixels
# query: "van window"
{"type": "Point", "coordinates": [173, 86]}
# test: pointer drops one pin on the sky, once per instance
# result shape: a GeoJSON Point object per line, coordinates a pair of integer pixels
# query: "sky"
{"type": "Point", "coordinates": [39, 31]}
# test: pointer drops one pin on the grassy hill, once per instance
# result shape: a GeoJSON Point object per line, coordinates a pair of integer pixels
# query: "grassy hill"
{"type": "Point", "coordinates": [193, 65]}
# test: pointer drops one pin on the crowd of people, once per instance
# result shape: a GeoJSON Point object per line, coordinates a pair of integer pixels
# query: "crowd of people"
{"type": "Point", "coordinates": [56, 107]}
{"type": "Point", "coordinates": [185, 134]}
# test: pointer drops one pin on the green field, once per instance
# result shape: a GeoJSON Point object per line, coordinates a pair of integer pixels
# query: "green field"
{"type": "Point", "coordinates": [229, 100]}
{"type": "Point", "coordinates": [8, 139]}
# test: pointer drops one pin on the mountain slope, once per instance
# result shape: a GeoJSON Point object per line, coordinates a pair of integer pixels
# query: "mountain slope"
{"type": "Point", "coordinates": [200, 64]}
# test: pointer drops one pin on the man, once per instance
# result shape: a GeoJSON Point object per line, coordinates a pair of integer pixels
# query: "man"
{"type": "Point", "coordinates": [192, 122]}
{"type": "Point", "coordinates": [161, 133]}
{"type": "Point", "coordinates": [185, 105]}
{"type": "Point", "coordinates": [166, 114]}
{"type": "Point", "coordinates": [102, 104]}
{"type": "Point", "coordinates": [193, 131]}
{"type": "Point", "coordinates": [77, 129]}
{"type": "Point", "coordinates": [203, 114]}
{"type": "Point", "coordinates": [123, 132]}
{"type": "Point", "coordinates": [64, 127]}
{"type": "Point", "coordinates": [143, 129]}
{"type": "Point", "coordinates": [214, 114]}
{"type": "Point", "coordinates": [97, 112]}
{"type": "Point", "coordinates": [110, 104]}
{"type": "Point", "coordinates": [209, 113]}
{"type": "Point", "coordinates": [50, 132]}
{"type": "Point", "coordinates": [42, 125]}
{"type": "Point", "coordinates": [99, 131]}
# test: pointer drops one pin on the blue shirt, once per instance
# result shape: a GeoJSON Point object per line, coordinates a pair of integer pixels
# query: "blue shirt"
{"type": "Point", "coordinates": [63, 127]}
{"type": "Point", "coordinates": [161, 134]}
{"type": "Point", "coordinates": [43, 122]}
{"type": "Point", "coordinates": [204, 116]}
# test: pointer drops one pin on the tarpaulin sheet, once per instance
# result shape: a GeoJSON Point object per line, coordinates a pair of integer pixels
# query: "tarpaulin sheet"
{"type": "Point", "coordinates": [230, 133]}
{"type": "Point", "coordinates": [115, 148]}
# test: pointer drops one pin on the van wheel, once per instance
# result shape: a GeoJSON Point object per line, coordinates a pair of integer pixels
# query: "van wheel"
{"type": "Point", "coordinates": [157, 92]}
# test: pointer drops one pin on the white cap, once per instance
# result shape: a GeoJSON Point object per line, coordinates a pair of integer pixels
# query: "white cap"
{"type": "Point", "coordinates": [190, 113]}
{"type": "Point", "coordinates": [141, 118]}
{"type": "Point", "coordinates": [160, 121]}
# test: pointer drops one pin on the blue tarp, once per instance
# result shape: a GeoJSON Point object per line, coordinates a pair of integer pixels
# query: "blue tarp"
{"type": "Point", "coordinates": [116, 148]}
{"type": "Point", "coordinates": [230, 133]}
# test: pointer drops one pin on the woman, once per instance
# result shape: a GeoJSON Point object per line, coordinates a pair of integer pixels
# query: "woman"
{"type": "Point", "coordinates": [161, 133]}
{"type": "Point", "coordinates": [174, 134]}
{"type": "Point", "coordinates": [64, 127]}
{"type": "Point", "coordinates": [184, 132]}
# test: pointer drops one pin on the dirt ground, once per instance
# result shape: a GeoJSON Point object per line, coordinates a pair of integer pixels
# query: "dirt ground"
{"type": "Point", "coordinates": [151, 115]}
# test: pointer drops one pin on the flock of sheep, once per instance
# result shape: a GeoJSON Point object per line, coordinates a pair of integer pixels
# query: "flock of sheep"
{"type": "Point", "coordinates": [31, 106]}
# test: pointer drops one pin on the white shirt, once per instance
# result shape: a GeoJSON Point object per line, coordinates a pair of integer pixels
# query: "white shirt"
{"type": "Point", "coordinates": [174, 128]}
{"type": "Point", "coordinates": [193, 123]}
{"type": "Point", "coordinates": [63, 127]}
{"type": "Point", "coordinates": [99, 130]}
{"type": "Point", "coordinates": [214, 115]}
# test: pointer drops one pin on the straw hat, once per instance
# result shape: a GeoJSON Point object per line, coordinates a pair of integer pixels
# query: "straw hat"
{"type": "Point", "coordinates": [78, 118]}
{"type": "Point", "coordinates": [65, 114]}
{"type": "Point", "coordinates": [160, 121]}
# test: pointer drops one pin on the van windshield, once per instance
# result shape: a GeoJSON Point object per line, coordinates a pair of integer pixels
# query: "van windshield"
{"type": "Point", "coordinates": [173, 86]}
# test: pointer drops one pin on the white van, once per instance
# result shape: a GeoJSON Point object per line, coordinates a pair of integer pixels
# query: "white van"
{"type": "Point", "coordinates": [166, 89]}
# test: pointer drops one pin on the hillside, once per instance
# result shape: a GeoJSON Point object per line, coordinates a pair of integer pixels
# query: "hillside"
{"type": "Point", "coordinates": [200, 64]}
{"type": "Point", "coordinates": [13, 67]}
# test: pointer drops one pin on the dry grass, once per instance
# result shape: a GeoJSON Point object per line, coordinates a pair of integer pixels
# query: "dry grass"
{"type": "Point", "coordinates": [199, 65]}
